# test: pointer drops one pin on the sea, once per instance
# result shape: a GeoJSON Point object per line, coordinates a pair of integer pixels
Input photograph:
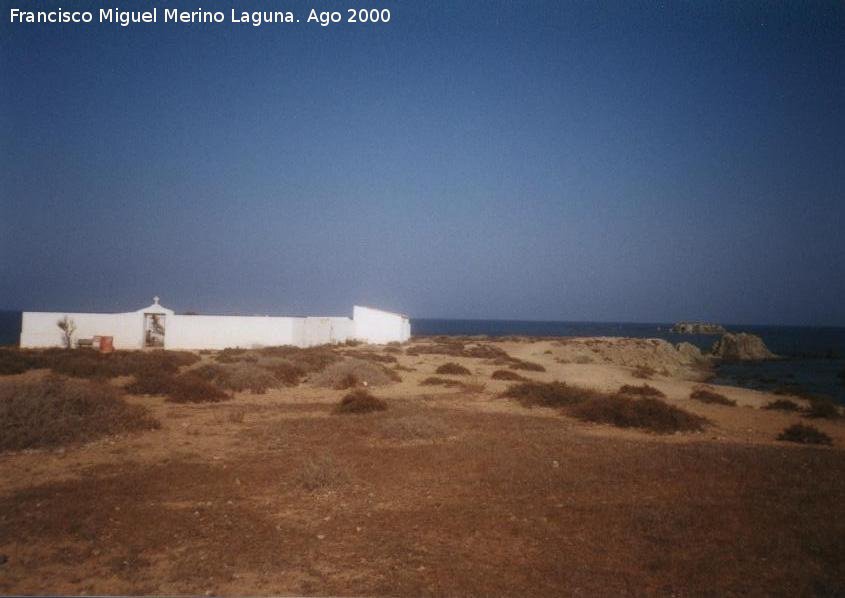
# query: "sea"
{"type": "Point", "coordinates": [813, 357]}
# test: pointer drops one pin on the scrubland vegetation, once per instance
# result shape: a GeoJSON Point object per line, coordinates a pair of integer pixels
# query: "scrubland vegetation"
{"type": "Point", "coordinates": [705, 394]}
{"type": "Point", "coordinates": [360, 401]}
{"type": "Point", "coordinates": [804, 434]}
{"type": "Point", "coordinates": [629, 407]}
{"type": "Point", "coordinates": [318, 458]}
{"type": "Point", "coordinates": [56, 411]}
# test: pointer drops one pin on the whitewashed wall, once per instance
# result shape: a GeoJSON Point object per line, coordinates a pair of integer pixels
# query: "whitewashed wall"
{"type": "Point", "coordinates": [220, 332]}
{"type": "Point", "coordinates": [326, 330]}
{"type": "Point", "coordinates": [370, 325]}
{"type": "Point", "coordinates": [377, 326]}
{"type": "Point", "coordinates": [39, 329]}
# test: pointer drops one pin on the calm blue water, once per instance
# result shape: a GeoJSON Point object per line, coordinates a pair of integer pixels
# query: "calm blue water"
{"type": "Point", "coordinates": [10, 327]}
{"type": "Point", "coordinates": [815, 356]}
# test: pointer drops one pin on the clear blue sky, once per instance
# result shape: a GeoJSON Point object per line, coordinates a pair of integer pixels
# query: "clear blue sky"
{"type": "Point", "coordinates": [563, 160]}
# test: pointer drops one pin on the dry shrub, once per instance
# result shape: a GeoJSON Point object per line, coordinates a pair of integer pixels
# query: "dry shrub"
{"type": "Point", "coordinates": [528, 366]}
{"type": "Point", "coordinates": [360, 401]}
{"type": "Point", "coordinates": [285, 372]}
{"type": "Point", "coordinates": [644, 372]}
{"type": "Point", "coordinates": [392, 349]}
{"type": "Point", "coordinates": [549, 394]}
{"type": "Point", "coordinates": [232, 355]}
{"type": "Point", "coordinates": [54, 411]}
{"type": "Point", "coordinates": [507, 375]}
{"type": "Point", "coordinates": [346, 382]}
{"type": "Point", "coordinates": [190, 388]}
{"type": "Point", "coordinates": [435, 381]}
{"type": "Point", "coordinates": [619, 410]}
{"type": "Point", "coordinates": [458, 349]}
{"type": "Point", "coordinates": [582, 359]}
{"type": "Point", "coordinates": [371, 356]}
{"type": "Point", "coordinates": [707, 395]}
{"type": "Point", "coordinates": [242, 376]}
{"type": "Point", "coordinates": [320, 473]}
{"type": "Point", "coordinates": [646, 414]}
{"type": "Point", "coordinates": [475, 386]}
{"type": "Point", "coordinates": [365, 373]}
{"type": "Point", "coordinates": [13, 361]}
{"type": "Point", "coordinates": [804, 435]}
{"type": "Point", "coordinates": [822, 408]}
{"type": "Point", "coordinates": [87, 363]}
{"type": "Point", "coordinates": [641, 391]}
{"type": "Point", "coordinates": [403, 368]}
{"type": "Point", "coordinates": [452, 369]}
{"type": "Point", "coordinates": [783, 405]}
{"type": "Point", "coordinates": [151, 383]}
{"type": "Point", "coordinates": [309, 359]}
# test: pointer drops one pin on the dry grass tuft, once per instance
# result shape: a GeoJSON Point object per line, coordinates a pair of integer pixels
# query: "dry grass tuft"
{"type": "Point", "coordinates": [644, 372]}
{"type": "Point", "coordinates": [435, 381]}
{"type": "Point", "coordinates": [549, 394]}
{"type": "Point", "coordinates": [87, 363]}
{"type": "Point", "coordinates": [822, 408]}
{"type": "Point", "coordinates": [321, 473]}
{"type": "Point", "coordinates": [452, 369]}
{"type": "Point", "coordinates": [360, 401]}
{"type": "Point", "coordinates": [507, 375]}
{"type": "Point", "coordinates": [642, 391]}
{"type": "Point", "coordinates": [704, 394]}
{"type": "Point", "coordinates": [234, 355]}
{"type": "Point", "coordinates": [239, 376]}
{"type": "Point", "coordinates": [287, 373]}
{"type": "Point", "coordinates": [528, 366]}
{"type": "Point", "coordinates": [13, 361]}
{"type": "Point", "coordinates": [354, 372]}
{"type": "Point", "coordinates": [55, 411]}
{"type": "Point", "coordinates": [370, 355]}
{"type": "Point", "coordinates": [783, 405]}
{"type": "Point", "coordinates": [648, 414]}
{"type": "Point", "coordinates": [309, 359]}
{"type": "Point", "coordinates": [455, 348]}
{"type": "Point", "coordinates": [190, 387]}
{"type": "Point", "coordinates": [623, 409]}
{"type": "Point", "coordinates": [412, 428]}
{"type": "Point", "coordinates": [804, 435]}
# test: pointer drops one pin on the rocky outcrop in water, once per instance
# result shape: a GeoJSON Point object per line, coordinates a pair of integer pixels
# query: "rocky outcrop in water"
{"type": "Point", "coordinates": [690, 351]}
{"type": "Point", "coordinates": [698, 328]}
{"type": "Point", "coordinates": [741, 346]}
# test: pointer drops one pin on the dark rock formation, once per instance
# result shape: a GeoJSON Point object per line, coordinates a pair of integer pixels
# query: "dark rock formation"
{"type": "Point", "coordinates": [741, 347]}
{"type": "Point", "coordinates": [698, 328]}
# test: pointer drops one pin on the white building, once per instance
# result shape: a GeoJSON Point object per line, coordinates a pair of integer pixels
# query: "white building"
{"type": "Point", "coordinates": [157, 326]}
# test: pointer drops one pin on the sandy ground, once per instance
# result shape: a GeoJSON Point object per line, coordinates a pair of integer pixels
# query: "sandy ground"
{"type": "Point", "coordinates": [446, 493]}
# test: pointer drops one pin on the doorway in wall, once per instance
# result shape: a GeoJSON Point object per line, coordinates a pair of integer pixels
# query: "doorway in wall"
{"type": "Point", "coordinates": [154, 330]}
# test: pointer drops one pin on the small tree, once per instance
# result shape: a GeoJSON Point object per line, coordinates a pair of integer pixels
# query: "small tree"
{"type": "Point", "coordinates": [68, 327]}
